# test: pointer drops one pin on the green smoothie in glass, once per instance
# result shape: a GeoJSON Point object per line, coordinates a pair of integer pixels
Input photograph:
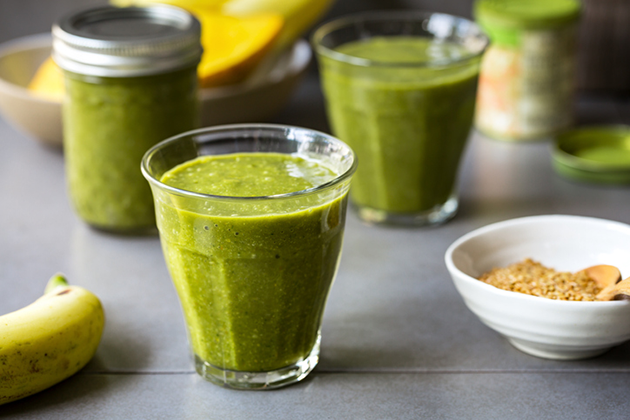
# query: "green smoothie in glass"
{"type": "Point", "coordinates": [252, 238]}
{"type": "Point", "coordinates": [400, 90]}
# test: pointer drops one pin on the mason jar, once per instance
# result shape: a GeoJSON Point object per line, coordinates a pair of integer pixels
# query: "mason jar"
{"type": "Point", "coordinates": [527, 78]}
{"type": "Point", "coordinates": [130, 82]}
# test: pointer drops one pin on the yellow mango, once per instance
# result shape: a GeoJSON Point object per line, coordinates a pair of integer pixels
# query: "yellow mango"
{"type": "Point", "coordinates": [184, 4]}
{"type": "Point", "coordinates": [48, 81]}
{"type": "Point", "coordinates": [299, 15]}
{"type": "Point", "coordinates": [232, 49]}
{"type": "Point", "coordinates": [234, 46]}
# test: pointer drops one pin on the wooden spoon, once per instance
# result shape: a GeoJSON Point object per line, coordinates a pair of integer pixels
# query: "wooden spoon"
{"type": "Point", "coordinates": [621, 290]}
{"type": "Point", "coordinates": [607, 278]}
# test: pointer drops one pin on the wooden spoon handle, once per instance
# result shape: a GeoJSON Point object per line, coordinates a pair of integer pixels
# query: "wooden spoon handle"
{"type": "Point", "coordinates": [622, 290]}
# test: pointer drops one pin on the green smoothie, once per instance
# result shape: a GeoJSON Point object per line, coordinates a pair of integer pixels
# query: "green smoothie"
{"type": "Point", "coordinates": [252, 274]}
{"type": "Point", "coordinates": [405, 105]}
{"type": "Point", "coordinates": [109, 123]}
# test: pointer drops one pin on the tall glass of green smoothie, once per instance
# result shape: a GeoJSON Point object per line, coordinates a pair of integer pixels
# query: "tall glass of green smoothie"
{"type": "Point", "coordinates": [400, 89]}
{"type": "Point", "coordinates": [251, 220]}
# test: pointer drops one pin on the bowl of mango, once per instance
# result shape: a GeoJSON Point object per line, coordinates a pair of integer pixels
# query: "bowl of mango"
{"type": "Point", "coordinates": [253, 59]}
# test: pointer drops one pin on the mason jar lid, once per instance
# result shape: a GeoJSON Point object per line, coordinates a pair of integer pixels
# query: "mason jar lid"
{"type": "Point", "coordinates": [126, 42]}
{"type": "Point", "coordinates": [530, 14]}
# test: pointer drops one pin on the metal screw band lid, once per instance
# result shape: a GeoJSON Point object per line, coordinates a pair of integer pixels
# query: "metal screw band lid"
{"type": "Point", "coordinates": [127, 42]}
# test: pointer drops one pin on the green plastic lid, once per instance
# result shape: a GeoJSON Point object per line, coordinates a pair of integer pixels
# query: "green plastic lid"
{"type": "Point", "coordinates": [594, 154]}
{"type": "Point", "coordinates": [527, 13]}
{"type": "Point", "coordinates": [503, 19]}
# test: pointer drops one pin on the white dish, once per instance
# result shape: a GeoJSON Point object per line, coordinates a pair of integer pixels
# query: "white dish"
{"type": "Point", "coordinates": [538, 326]}
{"type": "Point", "coordinates": [258, 98]}
{"type": "Point", "coordinates": [37, 117]}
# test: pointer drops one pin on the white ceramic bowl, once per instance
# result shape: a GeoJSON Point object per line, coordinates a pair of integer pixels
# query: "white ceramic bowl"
{"type": "Point", "coordinates": [543, 327]}
{"type": "Point", "coordinates": [256, 99]}
{"type": "Point", "coordinates": [38, 117]}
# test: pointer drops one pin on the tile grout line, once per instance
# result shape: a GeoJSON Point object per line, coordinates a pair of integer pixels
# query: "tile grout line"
{"type": "Point", "coordinates": [395, 371]}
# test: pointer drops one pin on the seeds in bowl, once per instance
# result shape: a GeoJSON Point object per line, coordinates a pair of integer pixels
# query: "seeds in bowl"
{"type": "Point", "coordinates": [533, 278]}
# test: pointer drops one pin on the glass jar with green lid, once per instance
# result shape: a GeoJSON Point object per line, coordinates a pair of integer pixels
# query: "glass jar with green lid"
{"type": "Point", "coordinates": [131, 81]}
{"type": "Point", "coordinates": [526, 84]}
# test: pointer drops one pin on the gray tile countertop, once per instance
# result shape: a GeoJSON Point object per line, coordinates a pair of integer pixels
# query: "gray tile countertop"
{"type": "Point", "coordinates": [397, 341]}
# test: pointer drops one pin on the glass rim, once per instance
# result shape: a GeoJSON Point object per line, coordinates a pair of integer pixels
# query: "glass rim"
{"type": "Point", "coordinates": [400, 15]}
{"type": "Point", "coordinates": [241, 127]}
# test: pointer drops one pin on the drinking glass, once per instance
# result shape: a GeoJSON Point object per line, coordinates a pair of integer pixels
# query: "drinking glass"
{"type": "Point", "coordinates": [400, 90]}
{"type": "Point", "coordinates": [252, 273]}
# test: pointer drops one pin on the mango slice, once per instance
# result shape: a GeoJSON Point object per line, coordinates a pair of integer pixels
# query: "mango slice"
{"type": "Point", "coordinates": [299, 15]}
{"type": "Point", "coordinates": [184, 4]}
{"type": "Point", "coordinates": [48, 81]}
{"type": "Point", "coordinates": [234, 46]}
{"type": "Point", "coordinates": [232, 49]}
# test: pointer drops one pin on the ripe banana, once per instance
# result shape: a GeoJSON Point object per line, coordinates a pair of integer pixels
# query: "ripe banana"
{"type": "Point", "coordinates": [48, 340]}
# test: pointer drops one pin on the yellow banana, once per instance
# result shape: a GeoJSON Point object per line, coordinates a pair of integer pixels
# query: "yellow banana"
{"type": "Point", "coordinates": [48, 340]}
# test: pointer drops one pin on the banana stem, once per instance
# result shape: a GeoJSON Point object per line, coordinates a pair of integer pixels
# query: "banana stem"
{"type": "Point", "coordinates": [58, 280]}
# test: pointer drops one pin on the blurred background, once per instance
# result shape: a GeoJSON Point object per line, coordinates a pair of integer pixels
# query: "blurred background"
{"type": "Point", "coordinates": [603, 59]}
{"type": "Point", "coordinates": [24, 17]}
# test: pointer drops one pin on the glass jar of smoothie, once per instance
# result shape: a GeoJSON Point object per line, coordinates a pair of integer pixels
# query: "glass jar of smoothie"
{"type": "Point", "coordinates": [400, 89]}
{"type": "Point", "coordinates": [251, 220]}
{"type": "Point", "coordinates": [131, 81]}
{"type": "Point", "coordinates": [527, 79]}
